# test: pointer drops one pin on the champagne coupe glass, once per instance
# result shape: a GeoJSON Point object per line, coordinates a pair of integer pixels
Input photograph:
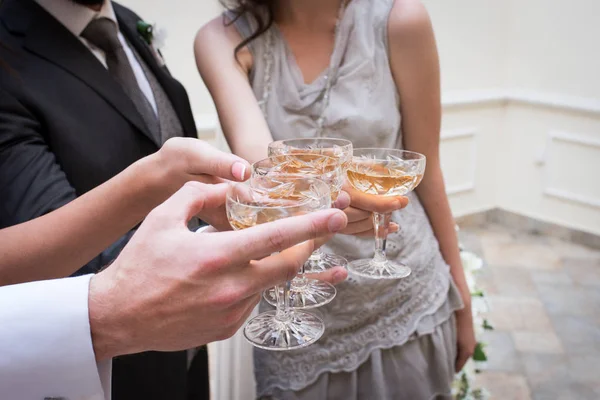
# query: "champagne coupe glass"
{"type": "Point", "coordinates": [305, 293]}
{"type": "Point", "coordinates": [284, 328]}
{"type": "Point", "coordinates": [339, 149]}
{"type": "Point", "coordinates": [384, 172]}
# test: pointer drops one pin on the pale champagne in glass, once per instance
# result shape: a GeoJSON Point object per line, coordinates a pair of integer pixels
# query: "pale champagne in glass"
{"type": "Point", "coordinates": [373, 177]}
{"type": "Point", "coordinates": [338, 149]}
{"type": "Point", "coordinates": [384, 172]}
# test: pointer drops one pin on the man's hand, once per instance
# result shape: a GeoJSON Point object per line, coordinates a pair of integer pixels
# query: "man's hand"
{"type": "Point", "coordinates": [172, 289]}
{"type": "Point", "coordinates": [361, 209]}
{"type": "Point", "coordinates": [217, 216]}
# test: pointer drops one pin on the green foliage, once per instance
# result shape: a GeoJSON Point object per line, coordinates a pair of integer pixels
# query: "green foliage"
{"type": "Point", "coordinates": [479, 354]}
{"type": "Point", "coordinates": [486, 325]}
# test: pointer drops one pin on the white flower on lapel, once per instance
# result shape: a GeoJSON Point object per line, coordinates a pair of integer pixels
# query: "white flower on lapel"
{"type": "Point", "coordinates": [154, 37]}
{"type": "Point", "coordinates": [160, 37]}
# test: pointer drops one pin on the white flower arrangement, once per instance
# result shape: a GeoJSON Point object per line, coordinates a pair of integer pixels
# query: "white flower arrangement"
{"type": "Point", "coordinates": [462, 388]}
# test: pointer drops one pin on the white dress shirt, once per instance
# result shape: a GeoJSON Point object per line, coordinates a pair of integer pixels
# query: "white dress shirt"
{"type": "Point", "coordinates": [76, 18]}
{"type": "Point", "coordinates": [45, 342]}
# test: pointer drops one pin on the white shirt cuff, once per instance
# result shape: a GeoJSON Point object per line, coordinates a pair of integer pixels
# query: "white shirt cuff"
{"type": "Point", "coordinates": [45, 342]}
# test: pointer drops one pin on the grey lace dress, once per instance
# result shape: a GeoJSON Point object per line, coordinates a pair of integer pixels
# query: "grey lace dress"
{"type": "Point", "coordinates": [384, 339]}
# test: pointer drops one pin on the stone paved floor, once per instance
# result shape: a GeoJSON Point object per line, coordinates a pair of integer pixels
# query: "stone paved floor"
{"type": "Point", "coordinates": [544, 299]}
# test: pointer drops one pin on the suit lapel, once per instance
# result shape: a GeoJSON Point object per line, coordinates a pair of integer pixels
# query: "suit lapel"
{"type": "Point", "coordinates": [50, 40]}
{"type": "Point", "coordinates": [174, 91]}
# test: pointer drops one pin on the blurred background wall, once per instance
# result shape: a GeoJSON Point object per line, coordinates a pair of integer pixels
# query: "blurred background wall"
{"type": "Point", "coordinates": [521, 98]}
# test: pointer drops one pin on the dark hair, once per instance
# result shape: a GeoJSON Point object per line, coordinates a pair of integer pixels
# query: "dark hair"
{"type": "Point", "coordinates": [260, 10]}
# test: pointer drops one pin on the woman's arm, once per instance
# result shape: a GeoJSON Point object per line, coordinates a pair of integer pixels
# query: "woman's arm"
{"type": "Point", "coordinates": [242, 121]}
{"type": "Point", "coordinates": [415, 66]}
{"type": "Point", "coordinates": [57, 244]}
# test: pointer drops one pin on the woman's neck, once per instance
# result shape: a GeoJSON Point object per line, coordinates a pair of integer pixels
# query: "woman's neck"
{"type": "Point", "coordinates": [308, 13]}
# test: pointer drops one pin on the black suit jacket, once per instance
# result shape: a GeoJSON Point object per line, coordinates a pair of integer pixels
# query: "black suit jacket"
{"type": "Point", "coordinates": [66, 127]}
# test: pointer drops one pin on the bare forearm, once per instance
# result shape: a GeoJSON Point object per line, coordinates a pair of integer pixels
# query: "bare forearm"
{"type": "Point", "coordinates": [65, 239]}
{"type": "Point", "coordinates": [432, 194]}
{"type": "Point", "coordinates": [252, 152]}
{"type": "Point", "coordinates": [245, 129]}
{"type": "Point", "coordinates": [226, 72]}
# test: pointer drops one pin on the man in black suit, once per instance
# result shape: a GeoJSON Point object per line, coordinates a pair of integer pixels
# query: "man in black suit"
{"type": "Point", "coordinates": [91, 96]}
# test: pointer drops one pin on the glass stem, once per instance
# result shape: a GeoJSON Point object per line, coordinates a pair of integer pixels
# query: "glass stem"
{"type": "Point", "coordinates": [283, 301]}
{"type": "Point", "coordinates": [381, 223]}
{"type": "Point", "coordinates": [316, 255]}
{"type": "Point", "coordinates": [300, 279]}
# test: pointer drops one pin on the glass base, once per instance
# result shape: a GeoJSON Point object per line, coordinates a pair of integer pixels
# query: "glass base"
{"type": "Point", "coordinates": [267, 332]}
{"type": "Point", "coordinates": [372, 269]}
{"type": "Point", "coordinates": [313, 294]}
{"type": "Point", "coordinates": [319, 262]}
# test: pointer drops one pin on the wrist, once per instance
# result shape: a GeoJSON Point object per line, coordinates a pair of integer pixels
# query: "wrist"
{"type": "Point", "coordinates": [458, 277]}
{"type": "Point", "coordinates": [155, 176]}
{"type": "Point", "coordinates": [108, 323]}
{"type": "Point", "coordinates": [466, 300]}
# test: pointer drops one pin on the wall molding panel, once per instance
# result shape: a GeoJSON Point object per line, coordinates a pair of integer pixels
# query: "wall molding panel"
{"type": "Point", "coordinates": [456, 99]}
{"type": "Point", "coordinates": [463, 133]}
{"type": "Point", "coordinates": [572, 138]}
{"type": "Point", "coordinates": [465, 98]}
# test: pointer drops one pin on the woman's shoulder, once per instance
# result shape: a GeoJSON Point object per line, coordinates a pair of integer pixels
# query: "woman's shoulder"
{"type": "Point", "coordinates": [220, 28]}
{"type": "Point", "coordinates": [408, 23]}
{"type": "Point", "coordinates": [221, 34]}
{"type": "Point", "coordinates": [408, 17]}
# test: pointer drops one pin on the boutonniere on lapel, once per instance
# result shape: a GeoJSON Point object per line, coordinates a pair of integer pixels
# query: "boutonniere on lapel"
{"type": "Point", "coordinates": [154, 38]}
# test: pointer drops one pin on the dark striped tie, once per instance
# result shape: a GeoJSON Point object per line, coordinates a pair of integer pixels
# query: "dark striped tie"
{"type": "Point", "coordinates": [103, 33]}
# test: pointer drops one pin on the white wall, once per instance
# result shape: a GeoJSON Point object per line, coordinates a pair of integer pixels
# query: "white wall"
{"type": "Point", "coordinates": [553, 46]}
{"type": "Point", "coordinates": [471, 36]}
{"type": "Point", "coordinates": [554, 57]}
{"type": "Point", "coordinates": [523, 75]}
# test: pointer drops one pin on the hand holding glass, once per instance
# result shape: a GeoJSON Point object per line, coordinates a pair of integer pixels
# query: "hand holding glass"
{"type": "Point", "coordinates": [384, 172]}
{"type": "Point", "coordinates": [305, 293]}
{"type": "Point", "coordinates": [284, 328]}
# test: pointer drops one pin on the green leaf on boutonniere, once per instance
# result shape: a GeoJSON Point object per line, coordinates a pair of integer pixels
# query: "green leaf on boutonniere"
{"type": "Point", "coordinates": [486, 325]}
{"type": "Point", "coordinates": [146, 31]}
{"type": "Point", "coordinates": [477, 293]}
{"type": "Point", "coordinates": [479, 354]}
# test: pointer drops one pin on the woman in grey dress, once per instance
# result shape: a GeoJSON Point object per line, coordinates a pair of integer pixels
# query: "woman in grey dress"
{"type": "Point", "coordinates": [368, 71]}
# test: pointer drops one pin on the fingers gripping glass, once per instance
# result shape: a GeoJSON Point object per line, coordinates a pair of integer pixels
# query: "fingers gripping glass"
{"type": "Point", "coordinates": [305, 293]}
{"type": "Point", "coordinates": [247, 206]}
